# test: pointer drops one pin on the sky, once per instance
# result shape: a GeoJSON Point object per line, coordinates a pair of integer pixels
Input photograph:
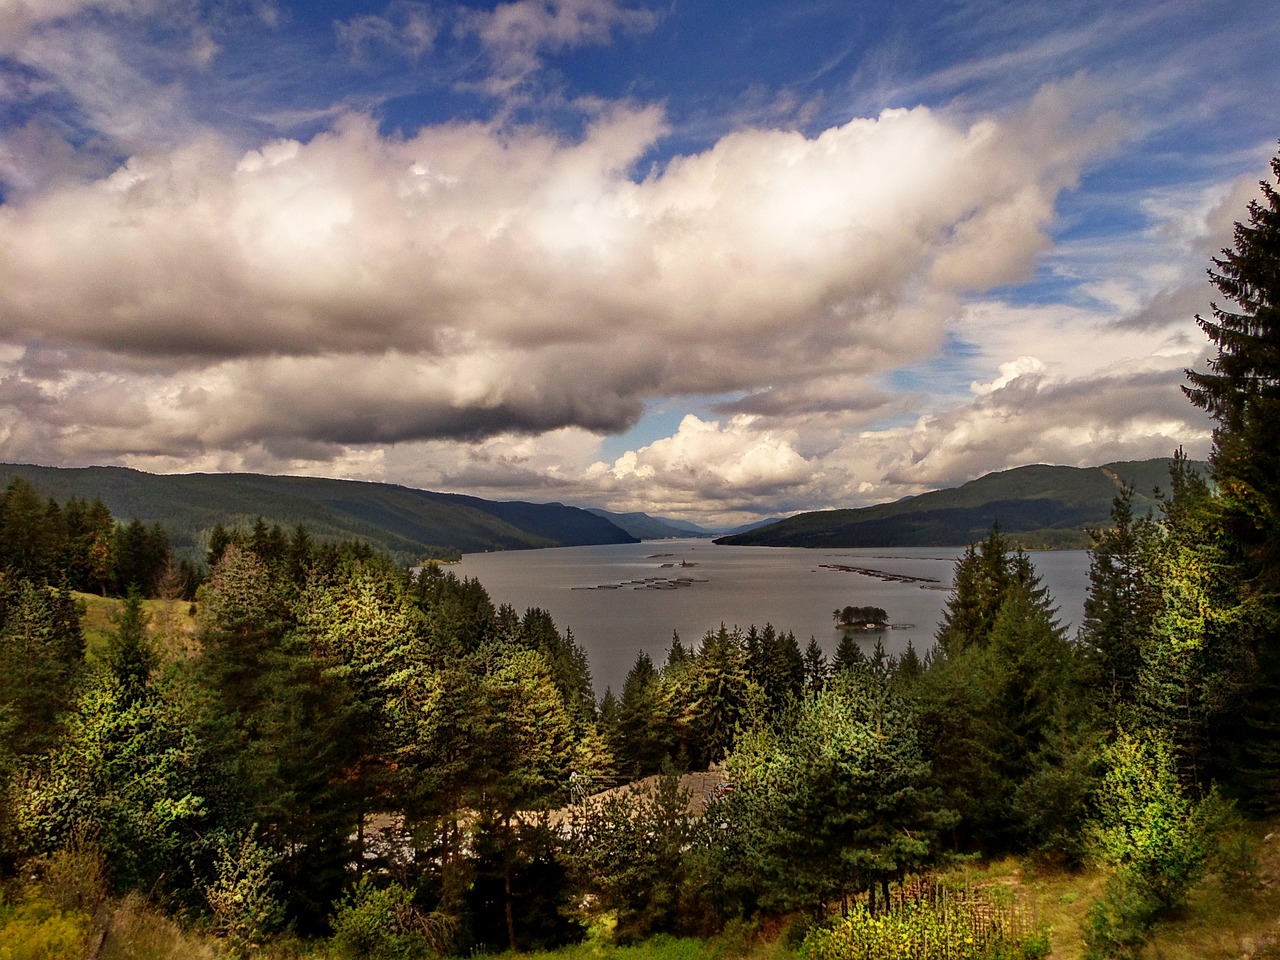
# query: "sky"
{"type": "Point", "coordinates": [711, 261]}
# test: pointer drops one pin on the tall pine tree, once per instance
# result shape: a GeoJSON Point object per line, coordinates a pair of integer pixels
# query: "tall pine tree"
{"type": "Point", "coordinates": [1241, 391]}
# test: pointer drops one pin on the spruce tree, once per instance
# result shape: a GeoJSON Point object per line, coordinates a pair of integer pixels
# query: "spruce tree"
{"type": "Point", "coordinates": [1241, 391]}
{"type": "Point", "coordinates": [816, 668]}
{"type": "Point", "coordinates": [1123, 600]}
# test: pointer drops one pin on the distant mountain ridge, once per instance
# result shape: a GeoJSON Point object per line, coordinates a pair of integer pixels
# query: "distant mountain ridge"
{"type": "Point", "coordinates": [1039, 506]}
{"type": "Point", "coordinates": [409, 524]}
{"type": "Point", "coordinates": [644, 527]}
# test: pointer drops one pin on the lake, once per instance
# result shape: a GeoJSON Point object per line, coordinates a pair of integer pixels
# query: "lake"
{"type": "Point", "coordinates": [623, 598]}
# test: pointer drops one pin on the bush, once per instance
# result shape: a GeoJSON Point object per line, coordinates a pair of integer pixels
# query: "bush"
{"type": "Point", "coordinates": [36, 929]}
{"type": "Point", "coordinates": [374, 923]}
{"type": "Point", "coordinates": [242, 895]}
{"type": "Point", "coordinates": [1117, 924]}
{"type": "Point", "coordinates": [964, 925]}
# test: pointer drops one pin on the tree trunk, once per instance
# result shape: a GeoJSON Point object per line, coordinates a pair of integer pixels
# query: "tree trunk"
{"type": "Point", "coordinates": [510, 910]}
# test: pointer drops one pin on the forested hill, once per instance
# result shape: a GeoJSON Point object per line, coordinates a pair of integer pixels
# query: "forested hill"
{"type": "Point", "coordinates": [1041, 506]}
{"type": "Point", "coordinates": [406, 523]}
{"type": "Point", "coordinates": [645, 527]}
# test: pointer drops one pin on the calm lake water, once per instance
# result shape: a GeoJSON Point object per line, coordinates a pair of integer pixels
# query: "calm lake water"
{"type": "Point", "coordinates": [614, 600]}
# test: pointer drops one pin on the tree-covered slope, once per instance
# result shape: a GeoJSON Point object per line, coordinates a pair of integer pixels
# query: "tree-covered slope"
{"type": "Point", "coordinates": [1043, 506]}
{"type": "Point", "coordinates": [400, 520]}
{"type": "Point", "coordinates": [645, 527]}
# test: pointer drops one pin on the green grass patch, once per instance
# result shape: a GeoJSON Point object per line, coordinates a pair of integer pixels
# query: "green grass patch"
{"type": "Point", "coordinates": [171, 624]}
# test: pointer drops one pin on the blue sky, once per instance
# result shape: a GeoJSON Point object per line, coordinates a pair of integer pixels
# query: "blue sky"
{"type": "Point", "coordinates": [715, 261]}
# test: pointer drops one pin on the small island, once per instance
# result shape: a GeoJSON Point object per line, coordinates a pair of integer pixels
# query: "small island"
{"type": "Point", "coordinates": [861, 618]}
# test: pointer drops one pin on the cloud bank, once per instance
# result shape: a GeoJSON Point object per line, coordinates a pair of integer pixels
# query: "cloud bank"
{"type": "Point", "coordinates": [482, 304]}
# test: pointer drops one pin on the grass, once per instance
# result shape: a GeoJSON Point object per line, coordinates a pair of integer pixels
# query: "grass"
{"type": "Point", "coordinates": [733, 944]}
{"type": "Point", "coordinates": [172, 626]}
{"type": "Point", "coordinates": [1232, 914]}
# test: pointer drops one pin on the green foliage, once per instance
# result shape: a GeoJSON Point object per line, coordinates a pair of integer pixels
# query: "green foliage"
{"type": "Point", "coordinates": [775, 665]}
{"type": "Point", "coordinates": [1005, 714]}
{"type": "Point", "coordinates": [281, 727]}
{"type": "Point", "coordinates": [834, 802]}
{"type": "Point", "coordinates": [1119, 922]}
{"type": "Point", "coordinates": [1197, 661]}
{"type": "Point", "coordinates": [130, 657]}
{"type": "Point", "coordinates": [645, 732]}
{"type": "Point", "coordinates": [717, 697]}
{"type": "Point", "coordinates": [1156, 838]}
{"type": "Point", "coordinates": [1123, 601]}
{"type": "Point", "coordinates": [860, 616]}
{"type": "Point", "coordinates": [1241, 389]}
{"type": "Point", "coordinates": [816, 668]}
{"type": "Point", "coordinates": [41, 658]}
{"type": "Point", "coordinates": [378, 923]}
{"type": "Point", "coordinates": [985, 576]}
{"type": "Point", "coordinates": [35, 929]}
{"type": "Point", "coordinates": [626, 850]}
{"type": "Point", "coordinates": [130, 772]}
{"type": "Point", "coordinates": [948, 926]}
{"type": "Point", "coordinates": [242, 895]}
{"type": "Point", "coordinates": [1146, 824]}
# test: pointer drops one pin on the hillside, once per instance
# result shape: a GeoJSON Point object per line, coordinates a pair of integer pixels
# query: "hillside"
{"type": "Point", "coordinates": [644, 527]}
{"type": "Point", "coordinates": [407, 523]}
{"type": "Point", "coordinates": [1046, 507]}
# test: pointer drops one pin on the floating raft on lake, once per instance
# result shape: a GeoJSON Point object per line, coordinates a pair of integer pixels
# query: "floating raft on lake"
{"type": "Point", "coordinates": [879, 574]}
{"type": "Point", "coordinates": [648, 583]}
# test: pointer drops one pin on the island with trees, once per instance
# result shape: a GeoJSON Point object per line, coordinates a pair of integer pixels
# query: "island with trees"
{"type": "Point", "coordinates": [861, 618]}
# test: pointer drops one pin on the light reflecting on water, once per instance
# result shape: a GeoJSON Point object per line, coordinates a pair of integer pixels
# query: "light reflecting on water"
{"type": "Point", "coordinates": [788, 587]}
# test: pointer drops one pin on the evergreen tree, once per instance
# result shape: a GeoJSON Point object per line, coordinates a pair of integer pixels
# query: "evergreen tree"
{"type": "Point", "coordinates": [1241, 389]}
{"type": "Point", "coordinates": [1007, 726]}
{"type": "Point", "coordinates": [983, 579]}
{"type": "Point", "coordinates": [300, 555]}
{"type": "Point", "coordinates": [677, 654]}
{"type": "Point", "coordinates": [41, 659]}
{"type": "Point", "coordinates": [837, 801]}
{"type": "Point", "coordinates": [1123, 600]}
{"type": "Point", "coordinates": [131, 771]}
{"type": "Point", "coordinates": [219, 539]}
{"type": "Point", "coordinates": [284, 726]}
{"type": "Point", "coordinates": [130, 657]}
{"type": "Point", "coordinates": [848, 654]}
{"type": "Point", "coordinates": [1197, 662]}
{"type": "Point", "coordinates": [90, 554]}
{"type": "Point", "coordinates": [568, 662]}
{"type": "Point", "coordinates": [716, 699]}
{"type": "Point", "coordinates": [627, 850]}
{"type": "Point", "coordinates": [909, 666]}
{"type": "Point", "coordinates": [30, 544]}
{"type": "Point", "coordinates": [644, 735]}
{"type": "Point", "coordinates": [816, 668]}
{"type": "Point", "coordinates": [775, 664]}
{"type": "Point", "coordinates": [142, 554]}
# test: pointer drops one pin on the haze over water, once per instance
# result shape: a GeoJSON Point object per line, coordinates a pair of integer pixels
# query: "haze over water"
{"type": "Point", "coordinates": [788, 587]}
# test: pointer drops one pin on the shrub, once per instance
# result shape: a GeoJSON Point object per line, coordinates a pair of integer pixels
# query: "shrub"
{"type": "Point", "coordinates": [242, 895]}
{"type": "Point", "coordinates": [36, 929]}
{"type": "Point", "coordinates": [1117, 924]}
{"type": "Point", "coordinates": [381, 923]}
{"type": "Point", "coordinates": [962, 925]}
